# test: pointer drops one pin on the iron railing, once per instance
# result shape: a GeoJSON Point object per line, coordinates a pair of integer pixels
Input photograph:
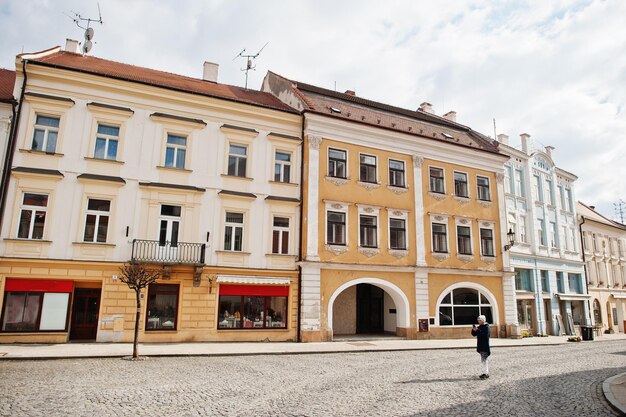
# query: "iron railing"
{"type": "Point", "coordinates": [154, 251]}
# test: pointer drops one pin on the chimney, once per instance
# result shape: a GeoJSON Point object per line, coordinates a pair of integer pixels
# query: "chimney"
{"type": "Point", "coordinates": [549, 150]}
{"type": "Point", "coordinates": [72, 46]}
{"type": "Point", "coordinates": [592, 207]}
{"type": "Point", "coordinates": [426, 108]}
{"type": "Point", "coordinates": [503, 139]}
{"type": "Point", "coordinates": [210, 71]}
{"type": "Point", "coordinates": [350, 92]}
{"type": "Point", "coordinates": [451, 115]}
{"type": "Point", "coordinates": [525, 137]}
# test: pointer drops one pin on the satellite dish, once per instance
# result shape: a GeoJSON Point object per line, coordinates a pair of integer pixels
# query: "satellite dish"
{"type": "Point", "coordinates": [89, 34]}
{"type": "Point", "coordinates": [87, 46]}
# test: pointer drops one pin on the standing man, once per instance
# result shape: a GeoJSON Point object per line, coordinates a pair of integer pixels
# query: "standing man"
{"type": "Point", "coordinates": [482, 344]}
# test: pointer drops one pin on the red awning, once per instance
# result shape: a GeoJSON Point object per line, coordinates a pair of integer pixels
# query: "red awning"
{"type": "Point", "coordinates": [263, 290]}
{"type": "Point", "coordinates": [38, 285]}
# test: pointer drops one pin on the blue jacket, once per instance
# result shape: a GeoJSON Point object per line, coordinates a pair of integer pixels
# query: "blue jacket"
{"type": "Point", "coordinates": [482, 341]}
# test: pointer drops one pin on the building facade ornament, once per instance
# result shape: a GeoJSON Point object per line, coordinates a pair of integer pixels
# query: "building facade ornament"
{"type": "Point", "coordinates": [369, 185]}
{"type": "Point", "coordinates": [337, 181]}
{"type": "Point", "coordinates": [397, 190]}
{"type": "Point", "coordinates": [499, 177]}
{"type": "Point", "coordinates": [369, 252]}
{"type": "Point", "coordinates": [417, 160]}
{"type": "Point", "coordinates": [437, 196]}
{"type": "Point", "coordinates": [314, 142]}
{"type": "Point", "coordinates": [336, 249]}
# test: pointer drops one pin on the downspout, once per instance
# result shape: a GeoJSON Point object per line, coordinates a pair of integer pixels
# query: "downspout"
{"type": "Point", "coordinates": [299, 317]}
{"type": "Point", "coordinates": [8, 159]}
{"type": "Point", "coordinates": [582, 242]}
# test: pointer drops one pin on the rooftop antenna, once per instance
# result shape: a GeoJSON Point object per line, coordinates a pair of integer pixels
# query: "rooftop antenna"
{"type": "Point", "coordinates": [249, 61]}
{"type": "Point", "coordinates": [619, 210]}
{"type": "Point", "coordinates": [79, 19]}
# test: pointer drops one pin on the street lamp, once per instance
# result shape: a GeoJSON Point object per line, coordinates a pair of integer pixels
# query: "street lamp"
{"type": "Point", "coordinates": [511, 238]}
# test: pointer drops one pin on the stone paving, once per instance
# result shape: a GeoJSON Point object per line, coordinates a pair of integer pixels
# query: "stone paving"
{"type": "Point", "coordinates": [563, 380]}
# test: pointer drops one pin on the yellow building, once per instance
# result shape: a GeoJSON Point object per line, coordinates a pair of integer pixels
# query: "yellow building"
{"type": "Point", "coordinates": [112, 163]}
{"type": "Point", "coordinates": [376, 180]}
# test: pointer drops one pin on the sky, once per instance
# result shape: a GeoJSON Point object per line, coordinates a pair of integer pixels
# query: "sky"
{"type": "Point", "coordinates": [555, 69]}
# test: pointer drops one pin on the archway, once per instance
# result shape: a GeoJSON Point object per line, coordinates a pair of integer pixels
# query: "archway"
{"type": "Point", "coordinates": [469, 305]}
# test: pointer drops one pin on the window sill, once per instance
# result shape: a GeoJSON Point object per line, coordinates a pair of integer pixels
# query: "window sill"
{"type": "Point", "coordinates": [488, 259]}
{"type": "Point", "coordinates": [237, 177]}
{"type": "Point", "coordinates": [41, 152]}
{"type": "Point", "coordinates": [397, 190]}
{"type": "Point", "coordinates": [437, 196]}
{"type": "Point", "coordinates": [110, 245]}
{"type": "Point", "coordinates": [369, 185]}
{"type": "Point", "coordinates": [337, 180]}
{"type": "Point", "coordinates": [233, 252]}
{"type": "Point", "coordinates": [153, 331]}
{"type": "Point", "coordinates": [174, 169]}
{"type": "Point", "coordinates": [28, 240]}
{"type": "Point", "coordinates": [289, 184]}
{"type": "Point", "coordinates": [336, 249]}
{"type": "Point", "coordinates": [109, 161]}
{"type": "Point", "coordinates": [281, 255]}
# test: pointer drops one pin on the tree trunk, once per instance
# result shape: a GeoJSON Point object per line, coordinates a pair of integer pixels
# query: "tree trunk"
{"type": "Point", "coordinates": [135, 342]}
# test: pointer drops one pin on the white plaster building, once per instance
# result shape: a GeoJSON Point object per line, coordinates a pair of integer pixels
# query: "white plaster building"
{"type": "Point", "coordinates": [551, 293]}
{"type": "Point", "coordinates": [7, 107]}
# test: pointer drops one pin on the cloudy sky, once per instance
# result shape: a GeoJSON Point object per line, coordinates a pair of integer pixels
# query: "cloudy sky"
{"type": "Point", "coordinates": [553, 69]}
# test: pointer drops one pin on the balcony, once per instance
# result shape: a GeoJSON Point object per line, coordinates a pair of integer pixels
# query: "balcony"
{"type": "Point", "coordinates": [182, 253]}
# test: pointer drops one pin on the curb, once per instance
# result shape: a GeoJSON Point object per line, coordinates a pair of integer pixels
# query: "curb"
{"type": "Point", "coordinates": [608, 394]}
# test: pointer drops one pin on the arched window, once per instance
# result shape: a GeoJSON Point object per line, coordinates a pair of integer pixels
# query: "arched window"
{"type": "Point", "coordinates": [597, 315]}
{"type": "Point", "coordinates": [461, 306]}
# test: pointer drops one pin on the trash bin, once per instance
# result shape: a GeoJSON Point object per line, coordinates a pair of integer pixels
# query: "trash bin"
{"type": "Point", "coordinates": [587, 332]}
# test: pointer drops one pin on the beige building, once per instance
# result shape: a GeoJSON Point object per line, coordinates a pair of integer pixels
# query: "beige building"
{"type": "Point", "coordinates": [604, 243]}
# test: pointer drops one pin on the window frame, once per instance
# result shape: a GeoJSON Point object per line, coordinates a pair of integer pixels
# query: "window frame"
{"type": "Point", "coordinates": [365, 229]}
{"type": "Point", "coordinates": [33, 210]}
{"type": "Point", "coordinates": [541, 232]}
{"type": "Point", "coordinates": [460, 183]}
{"type": "Point", "coordinates": [234, 226]}
{"type": "Point", "coordinates": [281, 165]}
{"type": "Point", "coordinates": [98, 214]}
{"type": "Point", "coordinates": [345, 228]}
{"type": "Point", "coordinates": [335, 161]}
{"type": "Point", "coordinates": [238, 158]}
{"type": "Point", "coordinates": [47, 130]}
{"type": "Point", "coordinates": [458, 240]}
{"type": "Point", "coordinates": [107, 138]}
{"type": "Point", "coordinates": [483, 240]}
{"type": "Point", "coordinates": [266, 306]}
{"type": "Point", "coordinates": [393, 172]}
{"type": "Point", "coordinates": [480, 187]}
{"type": "Point", "coordinates": [177, 148]}
{"type": "Point", "coordinates": [177, 307]}
{"type": "Point", "coordinates": [444, 223]}
{"type": "Point", "coordinates": [281, 235]}
{"type": "Point", "coordinates": [438, 180]}
{"type": "Point", "coordinates": [368, 167]}
{"type": "Point", "coordinates": [394, 215]}
{"type": "Point", "coordinates": [480, 305]}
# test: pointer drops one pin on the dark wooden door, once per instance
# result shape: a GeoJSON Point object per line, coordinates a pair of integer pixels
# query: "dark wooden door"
{"type": "Point", "coordinates": [369, 309]}
{"type": "Point", "coordinates": [85, 314]}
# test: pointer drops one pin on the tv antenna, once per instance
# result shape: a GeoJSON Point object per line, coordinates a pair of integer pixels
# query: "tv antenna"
{"type": "Point", "coordinates": [619, 210]}
{"type": "Point", "coordinates": [249, 61]}
{"type": "Point", "coordinates": [79, 20]}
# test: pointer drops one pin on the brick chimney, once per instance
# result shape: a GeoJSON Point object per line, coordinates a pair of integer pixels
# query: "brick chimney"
{"type": "Point", "coordinates": [451, 115]}
{"type": "Point", "coordinates": [350, 92]}
{"type": "Point", "coordinates": [210, 71]}
{"type": "Point", "coordinates": [525, 142]}
{"type": "Point", "coordinates": [426, 108]}
{"type": "Point", "coordinates": [503, 139]}
{"type": "Point", "coordinates": [72, 46]}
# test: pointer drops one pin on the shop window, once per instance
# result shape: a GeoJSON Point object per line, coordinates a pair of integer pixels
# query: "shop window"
{"type": "Point", "coordinates": [461, 306]}
{"type": "Point", "coordinates": [523, 280]}
{"type": "Point", "coordinates": [45, 134]}
{"type": "Point", "coordinates": [250, 307]}
{"type": "Point", "coordinates": [32, 216]}
{"type": "Point", "coordinates": [162, 307]}
{"type": "Point", "coordinates": [597, 314]}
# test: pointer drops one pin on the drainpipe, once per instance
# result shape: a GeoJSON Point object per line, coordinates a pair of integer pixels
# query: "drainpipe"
{"type": "Point", "coordinates": [299, 315]}
{"type": "Point", "coordinates": [580, 230]}
{"type": "Point", "coordinates": [8, 159]}
{"type": "Point", "coordinates": [538, 302]}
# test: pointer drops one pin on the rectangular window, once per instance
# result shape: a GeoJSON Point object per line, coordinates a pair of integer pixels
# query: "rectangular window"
{"type": "Point", "coordinates": [541, 237]}
{"type": "Point", "coordinates": [396, 173]}
{"type": "Point", "coordinates": [537, 194]}
{"type": "Point", "coordinates": [175, 151]}
{"type": "Point", "coordinates": [482, 184]}
{"type": "Point", "coordinates": [233, 233]}
{"type": "Point", "coordinates": [337, 163]}
{"type": "Point", "coordinates": [460, 184]}
{"type": "Point", "coordinates": [397, 234]}
{"type": "Point", "coordinates": [545, 281]}
{"type": "Point", "coordinates": [464, 240]}
{"type": "Point", "coordinates": [169, 225]}
{"type": "Point", "coordinates": [575, 285]}
{"type": "Point", "coordinates": [367, 168]}
{"type": "Point", "coordinates": [280, 235]}
{"type": "Point", "coordinates": [568, 200]}
{"type": "Point", "coordinates": [566, 238]}
{"type": "Point", "coordinates": [436, 180]}
{"type": "Point", "coordinates": [162, 307]}
{"type": "Point", "coordinates": [519, 183]}
{"type": "Point", "coordinates": [523, 280]}
{"type": "Point", "coordinates": [336, 228]}
{"type": "Point", "coordinates": [486, 242]}
{"type": "Point", "coordinates": [508, 179]}
{"type": "Point", "coordinates": [45, 134]}
{"type": "Point", "coordinates": [107, 138]}
{"type": "Point", "coordinates": [237, 159]}
{"type": "Point", "coordinates": [251, 307]}
{"type": "Point", "coordinates": [440, 238]}
{"type": "Point", "coordinates": [549, 192]}
{"type": "Point", "coordinates": [560, 282]}
{"type": "Point", "coordinates": [368, 227]}
{"type": "Point", "coordinates": [561, 196]}
{"type": "Point", "coordinates": [282, 167]}
{"type": "Point", "coordinates": [553, 235]}
{"type": "Point", "coordinates": [97, 221]}
{"type": "Point", "coordinates": [522, 228]}
{"type": "Point", "coordinates": [32, 216]}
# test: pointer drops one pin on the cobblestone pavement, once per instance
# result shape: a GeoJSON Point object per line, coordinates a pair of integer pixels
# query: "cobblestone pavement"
{"type": "Point", "coordinates": [546, 380]}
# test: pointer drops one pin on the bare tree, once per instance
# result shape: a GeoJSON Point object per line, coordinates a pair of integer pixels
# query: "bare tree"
{"type": "Point", "coordinates": [137, 277]}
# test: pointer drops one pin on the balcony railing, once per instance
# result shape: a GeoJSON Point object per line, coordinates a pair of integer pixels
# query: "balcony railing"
{"type": "Point", "coordinates": [153, 251]}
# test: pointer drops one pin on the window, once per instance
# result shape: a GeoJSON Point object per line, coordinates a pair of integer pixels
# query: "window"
{"type": "Point", "coordinates": [523, 281]}
{"type": "Point", "coordinates": [367, 230]}
{"type": "Point", "coordinates": [97, 221]}
{"type": "Point", "coordinates": [397, 234]}
{"type": "Point", "coordinates": [175, 151]}
{"type": "Point", "coordinates": [461, 306]}
{"type": "Point", "coordinates": [522, 228]}
{"type": "Point", "coordinates": [169, 225]}
{"type": "Point", "coordinates": [566, 238]}
{"type": "Point", "coordinates": [549, 192]}
{"type": "Point", "coordinates": [280, 235]}
{"type": "Point", "coordinates": [233, 233]}
{"type": "Point", "coordinates": [597, 315]}
{"type": "Point", "coordinates": [486, 242]}
{"type": "Point", "coordinates": [336, 228]}
{"type": "Point", "coordinates": [250, 307]}
{"type": "Point", "coordinates": [561, 196]}
{"type": "Point", "coordinates": [460, 184]}
{"type": "Point", "coordinates": [367, 169]}
{"type": "Point", "coordinates": [440, 238]}
{"type": "Point", "coordinates": [45, 134]}
{"type": "Point", "coordinates": [396, 173]}
{"type": "Point", "coordinates": [436, 180]}
{"type": "Point", "coordinates": [35, 305]}
{"type": "Point", "coordinates": [560, 282]}
{"type": "Point", "coordinates": [237, 158]}
{"type": "Point", "coordinates": [553, 235]}
{"type": "Point", "coordinates": [482, 184]}
{"type": "Point", "coordinates": [519, 183]}
{"type": "Point", "coordinates": [545, 281]}
{"type": "Point", "coordinates": [568, 200]}
{"type": "Point", "coordinates": [282, 167]}
{"type": "Point", "coordinates": [162, 307]}
{"type": "Point", "coordinates": [575, 284]}
{"type": "Point", "coordinates": [508, 179]}
{"type": "Point", "coordinates": [33, 216]}
{"type": "Point", "coordinates": [336, 163]}
{"type": "Point", "coordinates": [541, 237]}
{"type": "Point", "coordinates": [537, 194]}
{"type": "Point", "coordinates": [107, 139]}
{"type": "Point", "coordinates": [464, 240]}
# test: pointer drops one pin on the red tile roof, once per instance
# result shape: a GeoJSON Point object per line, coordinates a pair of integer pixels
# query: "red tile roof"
{"type": "Point", "coordinates": [7, 81]}
{"type": "Point", "coordinates": [98, 66]}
